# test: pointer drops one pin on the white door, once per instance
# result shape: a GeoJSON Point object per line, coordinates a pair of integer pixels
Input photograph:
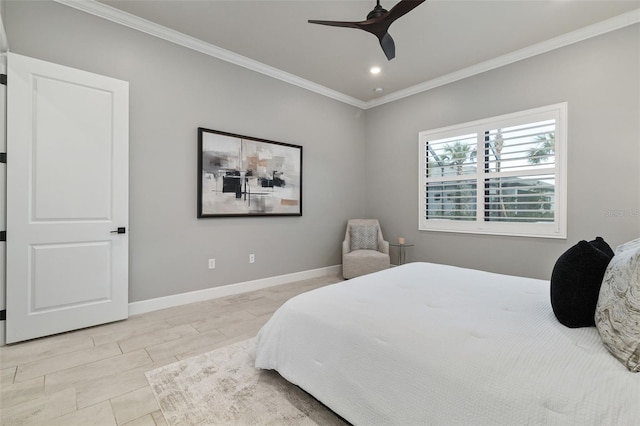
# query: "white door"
{"type": "Point", "coordinates": [67, 195]}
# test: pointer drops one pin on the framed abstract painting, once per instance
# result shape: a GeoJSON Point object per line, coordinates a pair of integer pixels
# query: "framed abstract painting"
{"type": "Point", "coordinates": [246, 176]}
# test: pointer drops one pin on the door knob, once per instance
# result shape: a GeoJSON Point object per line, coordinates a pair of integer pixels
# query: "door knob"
{"type": "Point", "coordinates": [119, 231]}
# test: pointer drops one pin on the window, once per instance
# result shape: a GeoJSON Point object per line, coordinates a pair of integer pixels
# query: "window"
{"type": "Point", "coordinates": [502, 175]}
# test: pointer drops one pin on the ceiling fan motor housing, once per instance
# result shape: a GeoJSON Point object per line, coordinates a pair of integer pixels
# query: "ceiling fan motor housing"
{"type": "Point", "coordinates": [377, 12]}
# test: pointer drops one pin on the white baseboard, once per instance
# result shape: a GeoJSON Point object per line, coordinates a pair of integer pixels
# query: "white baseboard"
{"type": "Point", "coordinates": [215, 292]}
{"type": "Point", "coordinates": [226, 290]}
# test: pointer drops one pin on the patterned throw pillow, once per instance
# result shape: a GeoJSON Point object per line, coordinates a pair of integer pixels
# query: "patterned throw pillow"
{"type": "Point", "coordinates": [618, 310]}
{"type": "Point", "coordinates": [364, 237]}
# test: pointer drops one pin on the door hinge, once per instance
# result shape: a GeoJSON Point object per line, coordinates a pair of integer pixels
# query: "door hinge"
{"type": "Point", "coordinates": [3, 315]}
{"type": "Point", "coordinates": [3, 157]}
{"type": "Point", "coordinates": [3, 235]}
{"type": "Point", "coordinates": [3, 79]}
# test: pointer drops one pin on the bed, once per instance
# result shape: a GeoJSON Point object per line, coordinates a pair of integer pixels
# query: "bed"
{"type": "Point", "coordinates": [433, 344]}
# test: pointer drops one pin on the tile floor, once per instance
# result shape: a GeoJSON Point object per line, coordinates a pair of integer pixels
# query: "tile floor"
{"type": "Point", "coordinates": [95, 376]}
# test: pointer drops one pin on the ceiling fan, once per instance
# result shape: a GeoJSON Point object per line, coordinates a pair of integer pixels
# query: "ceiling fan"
{"type": "Point", "coordinates": [378, 22]}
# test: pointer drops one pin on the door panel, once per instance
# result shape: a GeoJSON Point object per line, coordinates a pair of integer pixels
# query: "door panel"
{"type": "Point", "coordinates": [69, 266]}
{"type": "Point", "coordinates": [67, 189]}
{"type": "Point", "coordinates": [78, 130]}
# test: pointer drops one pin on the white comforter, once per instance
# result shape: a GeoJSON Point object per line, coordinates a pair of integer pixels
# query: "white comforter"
{"type": "Point", "coordinates": [433, 344]}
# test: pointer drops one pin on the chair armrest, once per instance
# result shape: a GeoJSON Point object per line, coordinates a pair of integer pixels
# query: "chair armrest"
{"type": "Point", "coordinates": [345, 247]}
{"type": "Point", "coordinates": [383, 246]}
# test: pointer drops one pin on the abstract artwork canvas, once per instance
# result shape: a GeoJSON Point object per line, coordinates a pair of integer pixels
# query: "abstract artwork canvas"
{"type": "Point", "coordinates": [246, 176]}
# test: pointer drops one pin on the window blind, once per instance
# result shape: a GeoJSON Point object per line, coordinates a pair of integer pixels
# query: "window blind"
{"type": "Point", "coordinates": [504, 172]}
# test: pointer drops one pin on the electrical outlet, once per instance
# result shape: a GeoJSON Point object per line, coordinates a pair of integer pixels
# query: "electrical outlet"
{"type": "Point", "coordinates": [252, 258]}
{"type": "Point", "coordinates": [212, 264]}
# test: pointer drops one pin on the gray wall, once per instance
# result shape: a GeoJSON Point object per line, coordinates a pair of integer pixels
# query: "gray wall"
{"type": "Point", "coordinates": [173, 91]}
{"type": "Point", "coordinates": [600, 80]}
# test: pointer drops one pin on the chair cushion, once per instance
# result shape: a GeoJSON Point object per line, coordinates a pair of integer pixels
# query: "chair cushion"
{"type": "Point", "coordinates": [361, 262]}
{"type": "Point", "coordinates": [364, 237]}
{"type": "Point", "coordinates": [575, 282]}
{"type": "Point", "coordinates": [366, 254]}
{"type": "Point", "coordinates": [617, 314]}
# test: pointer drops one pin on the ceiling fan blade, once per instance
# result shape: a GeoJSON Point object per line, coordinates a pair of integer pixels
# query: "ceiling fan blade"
{"type": "Point", "coordinates": [378, 22]}
{"type": "Point", "coordinates": [402, 8]}
{"type": "Point", "coordinates": [388, 46]}
{"type": "Point", "coordinates": [336, 23]}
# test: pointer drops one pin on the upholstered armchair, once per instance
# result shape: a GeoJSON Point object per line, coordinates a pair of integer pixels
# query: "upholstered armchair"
{"type": "Point", "coordinates": [364, 249]}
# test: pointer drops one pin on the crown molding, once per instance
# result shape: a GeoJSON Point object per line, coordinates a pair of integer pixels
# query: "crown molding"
{"type": "Point", "coordinates": [128, 20]}
{"type": "Point", "coordinates": [594, 30]}
{"type": "Point", "coordinates": [123, 18]}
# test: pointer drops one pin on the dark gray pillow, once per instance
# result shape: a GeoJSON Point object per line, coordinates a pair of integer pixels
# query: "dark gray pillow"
{"type": "Point", "coordinates": [602, 245]}
{"type": "Point", "coordinates": [575, 282]}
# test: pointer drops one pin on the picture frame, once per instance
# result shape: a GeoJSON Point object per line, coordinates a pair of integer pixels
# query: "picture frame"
{"type": "Point", "coordinates": [244, 176]}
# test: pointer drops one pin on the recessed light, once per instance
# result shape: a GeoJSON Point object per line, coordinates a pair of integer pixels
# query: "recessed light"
{"type": "Point", "coordinates": [378, 90]}
{"type": "Point", "coordinates": [375, 70]}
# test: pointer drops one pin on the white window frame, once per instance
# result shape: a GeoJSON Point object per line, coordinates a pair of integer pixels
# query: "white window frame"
{"type": "Point", "coordinates": [555, 229]}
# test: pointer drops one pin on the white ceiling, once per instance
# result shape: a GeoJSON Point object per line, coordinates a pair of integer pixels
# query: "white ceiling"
{"type": "Point", "coordinates": [437, 39]}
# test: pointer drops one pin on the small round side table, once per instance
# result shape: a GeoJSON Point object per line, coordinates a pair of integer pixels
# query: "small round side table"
{"type": "Point", "coordinates": [401, 252]}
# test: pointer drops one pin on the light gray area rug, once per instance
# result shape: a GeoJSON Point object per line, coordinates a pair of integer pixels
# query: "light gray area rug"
{"type": "Point", "coordinates": [222, 387]}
